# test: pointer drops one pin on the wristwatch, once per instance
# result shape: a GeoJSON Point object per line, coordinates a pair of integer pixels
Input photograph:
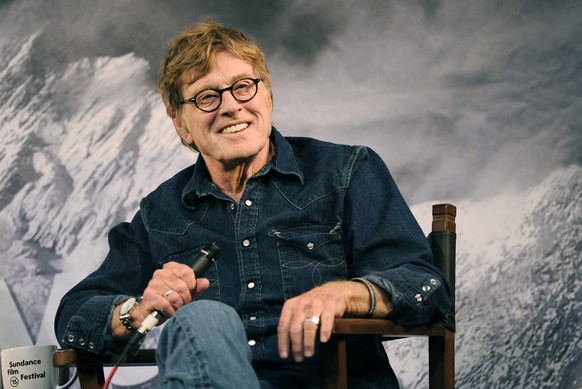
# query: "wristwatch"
{"type": "Point", "coordinates": [125, 312]}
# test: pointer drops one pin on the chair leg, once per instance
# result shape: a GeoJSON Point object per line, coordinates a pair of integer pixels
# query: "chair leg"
{"type": "Point", "coordinates": [334, 363]}
{"type": "Point", "coordinates": [449, 371]}
{"type": "Point", "coordinates": [436, 362]}
{"type": "Point", "coordinates": [441, 351]}
{"type": "Point", "coordinates": [90, 370]}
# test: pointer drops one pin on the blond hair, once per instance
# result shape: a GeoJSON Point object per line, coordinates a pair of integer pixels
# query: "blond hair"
{"type": "Point", "coordinates": [192, 52]}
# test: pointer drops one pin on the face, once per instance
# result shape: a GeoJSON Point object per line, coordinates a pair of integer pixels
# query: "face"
{"type": "Point", "coordinates": [235, 133]}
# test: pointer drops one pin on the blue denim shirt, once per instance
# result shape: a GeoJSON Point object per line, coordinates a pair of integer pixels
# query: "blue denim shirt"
{"type": "Point", "coordinates": [316, 212]}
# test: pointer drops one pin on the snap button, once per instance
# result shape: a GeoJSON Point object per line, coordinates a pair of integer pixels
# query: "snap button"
{"type": "Point", "coordinates": [82, 342]}
{"type": "Point", "coordinates": [91, 345]}
{"type": "Point", "coordinates": [253, 318]}
{"type": "Point", "coordinates": [418, 297]}
{"type": "Point", "coordinates": [252, 342]}
{"type": "Point", "coordinates": [231, 206]}
{"type": "Point", "coordinates": [251, 285]}
{"type": "Point", "coordinates": [248, 203]}
{"type": "Point", "coordinates": [425, 288]}
{"type": "Point", "coordinates": [71, 338]}
{"type": "Point", "coordinates": [310, 245]}
{"type": "Point", "coordinates": [246, 243]}
{"type": "Point", "coordinates": [433, 281]}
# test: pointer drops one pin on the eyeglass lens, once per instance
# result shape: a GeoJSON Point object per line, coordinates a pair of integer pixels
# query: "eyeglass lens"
{"type": "Point", "coordinates": [242, 90]}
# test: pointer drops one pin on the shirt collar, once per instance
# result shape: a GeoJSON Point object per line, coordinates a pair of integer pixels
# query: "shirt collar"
{"type": "Point", "coordinates": [284, 163]}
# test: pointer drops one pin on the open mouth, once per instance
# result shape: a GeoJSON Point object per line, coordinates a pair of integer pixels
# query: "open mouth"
{"type": "Point", "coordinates": [235, 128]}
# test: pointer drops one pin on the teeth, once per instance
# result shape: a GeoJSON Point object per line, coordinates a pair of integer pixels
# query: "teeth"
{"type": "Point", "coordinates": [235, 128]}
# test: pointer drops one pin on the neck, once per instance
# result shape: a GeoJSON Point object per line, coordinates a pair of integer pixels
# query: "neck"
{"type": "Point", "coordinates": [231, 178]}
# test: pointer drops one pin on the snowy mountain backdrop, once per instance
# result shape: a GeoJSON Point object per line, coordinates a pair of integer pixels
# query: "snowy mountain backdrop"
{"type": "Point", "coordinates": [486, 115]}
{"type": "Point", "coordinates": [518, 290]}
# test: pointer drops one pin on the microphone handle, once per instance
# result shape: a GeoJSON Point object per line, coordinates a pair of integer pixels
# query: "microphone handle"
{"type": "Point", "coordinates": [204, 259]}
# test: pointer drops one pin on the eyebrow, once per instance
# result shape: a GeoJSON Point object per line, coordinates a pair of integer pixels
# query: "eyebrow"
{"type": "Point", "coordinates": [231, 80]}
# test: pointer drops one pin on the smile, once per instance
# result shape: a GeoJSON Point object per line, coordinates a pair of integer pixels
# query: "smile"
{"type": "Point", "coordinates": [235, 128]}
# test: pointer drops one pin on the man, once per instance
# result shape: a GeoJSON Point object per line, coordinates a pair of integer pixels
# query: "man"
{"type": "Point", "coordinates": [308, 231]}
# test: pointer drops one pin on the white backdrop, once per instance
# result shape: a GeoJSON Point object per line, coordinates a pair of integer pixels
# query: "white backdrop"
{"type": "Point", "coordinates": [475, 103]}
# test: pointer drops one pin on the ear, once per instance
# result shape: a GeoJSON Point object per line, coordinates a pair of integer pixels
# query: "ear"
{"type": "Point", "coordinates": [270, 97]}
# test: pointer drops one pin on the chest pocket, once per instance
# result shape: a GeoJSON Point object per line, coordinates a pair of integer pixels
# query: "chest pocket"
{"type": "Point", "coordinates": [309, 258]}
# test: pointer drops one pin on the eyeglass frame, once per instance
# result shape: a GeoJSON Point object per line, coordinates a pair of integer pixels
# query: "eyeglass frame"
{"type": "Point", "coordinates": [192, 100]}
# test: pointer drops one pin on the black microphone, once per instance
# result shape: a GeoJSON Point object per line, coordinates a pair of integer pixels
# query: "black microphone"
{"type": "Point", "coordinates": [204, 259]}
{"type": "Point", "coordinates": [200, 264]}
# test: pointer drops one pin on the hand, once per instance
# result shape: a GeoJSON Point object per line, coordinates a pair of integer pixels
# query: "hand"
{"type": "Point", "coordinates": [325, 302]}
{"type": "Point", "coordinates": [169, 289]}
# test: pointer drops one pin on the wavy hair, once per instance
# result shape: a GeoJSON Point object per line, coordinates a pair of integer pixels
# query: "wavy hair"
{"type": "Point", "coordinates": [191, 54]}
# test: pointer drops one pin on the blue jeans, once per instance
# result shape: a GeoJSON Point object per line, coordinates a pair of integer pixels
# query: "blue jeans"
{"type": "Point", "coordinates": [205, 346]}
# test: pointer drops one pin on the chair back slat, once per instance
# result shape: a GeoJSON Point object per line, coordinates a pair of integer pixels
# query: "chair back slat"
{"type": "Point", "coordinates": [443, 242]}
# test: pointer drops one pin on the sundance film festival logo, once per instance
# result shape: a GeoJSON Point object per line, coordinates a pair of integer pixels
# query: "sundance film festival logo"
{"type": "Point", "coordinates": [14, 382]}
{"type": "Point", "coordinates": [15, 373]}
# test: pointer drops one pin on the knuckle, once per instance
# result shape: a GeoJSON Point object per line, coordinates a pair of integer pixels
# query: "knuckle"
{"type": "Point", "coordinates": [184, 271]}
{"type": "Point", "coordinates": [296, 330]}
{"type": "Point", "coordinates": [158, 273]}
{"type": "Point", "coordinates": [288, 304]}
{"type": "Point", "coordinates": [147, 294]}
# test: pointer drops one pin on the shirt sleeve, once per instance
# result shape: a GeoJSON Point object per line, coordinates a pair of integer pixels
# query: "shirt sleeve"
{"type": "Point", "coordinates": [389, 247]}
{"type": "Point", "coordinates": [83, 319]}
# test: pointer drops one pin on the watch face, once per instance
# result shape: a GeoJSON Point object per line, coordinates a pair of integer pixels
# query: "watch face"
{"type": "Point", "coordinates": [126, 307]}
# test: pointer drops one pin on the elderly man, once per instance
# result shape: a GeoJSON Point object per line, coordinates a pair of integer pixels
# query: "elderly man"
{"type": "Point", "coordinates": [308, 230]}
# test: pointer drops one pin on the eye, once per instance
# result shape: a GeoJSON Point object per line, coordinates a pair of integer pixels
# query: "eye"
{"type": "Point", "coordinates": [243, 87]}
{"type": "Point", "coordinates": [244, 83]}
{"type": "Point", "coordinates": [206, 97]}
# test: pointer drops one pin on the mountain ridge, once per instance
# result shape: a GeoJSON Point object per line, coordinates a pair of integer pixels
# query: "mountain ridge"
{"type": "Point", "coordinates": [518, 290]}
{"type": "Point", "coordinates": [82, 147]}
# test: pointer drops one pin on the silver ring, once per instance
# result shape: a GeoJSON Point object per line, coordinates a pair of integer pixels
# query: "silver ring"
{"type": "Point", "coordinates": [168, 293]}
{"type": "Point", "coordinates": [313, 319]}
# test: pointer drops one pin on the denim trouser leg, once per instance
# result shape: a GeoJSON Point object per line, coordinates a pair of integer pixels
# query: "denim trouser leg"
{"type": "Point", "coordinates": [205, 346]}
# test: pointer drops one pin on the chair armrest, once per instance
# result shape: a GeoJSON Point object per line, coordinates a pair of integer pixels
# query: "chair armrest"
{"type": "Point", "coordinates": [144, 357]}
{"type": "Point", "coordinates": [90, 366]}
{"type": "Point", "coordinates": [384, 327]}
{"type": "Point", "coordinates": [441, 349]}
{"type": "Point", "coordinates": [70, 358]}
{"type": "Point", "coordinates": [65, 358]}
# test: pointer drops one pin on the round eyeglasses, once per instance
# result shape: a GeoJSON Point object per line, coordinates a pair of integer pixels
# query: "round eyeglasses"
{"type": "Point", "coordinates": [209, 100]}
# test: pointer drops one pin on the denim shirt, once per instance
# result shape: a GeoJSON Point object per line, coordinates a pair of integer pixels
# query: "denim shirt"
{"type": "Point", "coordinates": [315, 213]}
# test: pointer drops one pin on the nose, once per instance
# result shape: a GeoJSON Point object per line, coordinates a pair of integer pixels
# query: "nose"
{"type": "Point", "coordinates": [229, 103]}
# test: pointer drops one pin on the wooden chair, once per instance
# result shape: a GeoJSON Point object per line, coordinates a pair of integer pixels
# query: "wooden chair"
{"type": "Point", "coordinates": [441, 336]}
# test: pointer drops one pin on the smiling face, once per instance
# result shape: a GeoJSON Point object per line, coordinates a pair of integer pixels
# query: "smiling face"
{"type": "Point", "coordinates": [236, 133]}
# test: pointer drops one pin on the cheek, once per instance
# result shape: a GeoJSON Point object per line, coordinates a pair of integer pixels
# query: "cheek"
{"type": "Point", "coordinates": [199, 124]}
{"type": "Point", "coordinates": [189, 129]}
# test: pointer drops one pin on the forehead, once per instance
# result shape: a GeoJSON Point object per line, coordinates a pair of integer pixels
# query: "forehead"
{"type": "Point", "coordinates": [225, 68]}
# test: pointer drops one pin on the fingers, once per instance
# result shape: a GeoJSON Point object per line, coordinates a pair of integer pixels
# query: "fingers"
{"type": "Point", "coordinates": [201, 285]}
{"type": "Point", "coordinates": [298, 327]}
{"type": "Point", "coordinates": [310, 327]}
{"type": "Point", "coordinates": [180, 279]}
{"type": "Point", "coordinates": [306, 315]}
{"type": "Point", "coordinates": [283, 335]}
{"type": "Point", "coordinates": [326, 326]}
{"type": "Point", "coordinates": [170, 288]}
